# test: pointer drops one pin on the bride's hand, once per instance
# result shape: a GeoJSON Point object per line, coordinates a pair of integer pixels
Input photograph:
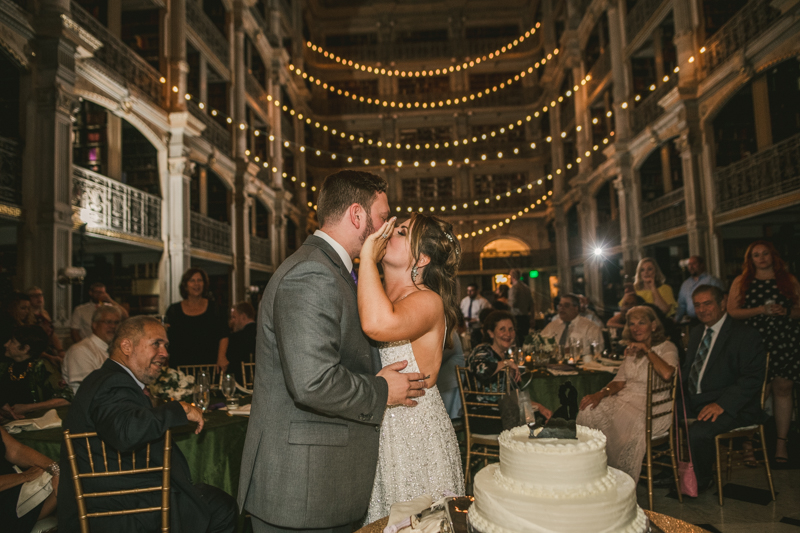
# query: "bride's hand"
{"type": "Point", "coordinates": [374, 246]}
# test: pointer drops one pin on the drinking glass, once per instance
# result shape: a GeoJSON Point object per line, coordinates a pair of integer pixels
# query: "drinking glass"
{"type": "Point", "coordinates": [228, 387]}
{"type": "Point", "coordinates": [575, 342]}
{"type": "Point", "coordinates": [202, 391]}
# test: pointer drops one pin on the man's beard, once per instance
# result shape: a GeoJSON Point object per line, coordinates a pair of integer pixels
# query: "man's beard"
{"type": "Point", "coordinates": [369, 229]}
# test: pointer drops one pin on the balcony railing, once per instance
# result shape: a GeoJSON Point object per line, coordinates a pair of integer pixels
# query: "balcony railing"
{"type": "Point", "coordinates": [210, 235]}
{"type": "Point", "coordinates": [766, 174]}
{"type": "Point", "coordinates": [10, 172]}
{"type": "Point", "coordinates": [207, 31]}
{"type": "Point", "coordinates": [260, 250]}
{"type": "Point", "coordinates": [218, 136]}
{"type": "Point", "coordinates": [639, 15]}
{"type": "Point", "coordinates": [664, 213]}
{"type": "Point", "coordinates": [750, 22]}
{"type": "Point", "coordinates": [649, 110]}
{"type": "Point", "coordinates": [107, 204]}
{"type": "Point", "coordinates": [121, 62]}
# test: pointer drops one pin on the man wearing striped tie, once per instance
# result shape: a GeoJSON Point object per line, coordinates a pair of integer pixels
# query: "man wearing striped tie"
{"type": "Point", "coordinates": [722, 377]}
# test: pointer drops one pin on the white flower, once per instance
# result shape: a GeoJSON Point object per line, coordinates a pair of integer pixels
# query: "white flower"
{"type": "Point", "coordinates": [189, 379]}
{"type": "Point", "coordinates": [183, 383]}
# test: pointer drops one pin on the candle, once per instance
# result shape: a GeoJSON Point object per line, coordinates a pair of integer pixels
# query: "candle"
{"type": "Point", "coordinates": [528, 358]}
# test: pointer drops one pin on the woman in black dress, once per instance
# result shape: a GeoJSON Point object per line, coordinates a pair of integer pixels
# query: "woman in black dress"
{"type": "Point", "coordinates": [196, 329]}
{"type": "Point", "coordinates": [33, 464]}
{"type": "Point", "coordinates": [767, 296]}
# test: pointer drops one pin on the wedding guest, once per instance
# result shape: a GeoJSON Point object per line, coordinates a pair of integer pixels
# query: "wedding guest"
{"type": "Point", "coordinates": [696, 266]}
{"type": "Point", "coordinates": [112, 402]}
{"type": "Point", "coordinates": [197, 330]}
{"type": "Point", "coordinates": [448, 382]}
{"type": "Point", "coordinates": [34, 465]}
{"type": "Point", "coordinates": [17, 312]}
{"type": "Point", "coordinates": [242, 342]}
{"type": "Point", "coordinates": [88, 355]}
{"type": "Point", "coordinates": [767, 297]}
{"type": "Point", "coordinates": [28, 382]}
{"type": "Point", "coordinates": [570, 325]}
{"type": "Point", "coordinates": [471, 307]}
{"type": "Point", "coordinates": [587, 312]}
{"type": "Point", "coordinates": [42, 319]}
{"type": "Point", "coordinates": [521, 303]}
{"type": "Point", "coordinates": [81, 323]}
{"type": "Point", "coordinates": [501, 298]}
{"type": "Point", "coordinates": [630, 299]}
{"type": "Point", "coordinates": [650, 284]}
{"type": "Point", "coordinates": [489, 358]}
{"type": "Point", "coordinates": [722, 377]}
{"type": "Point", "coordinates": [618, 410]}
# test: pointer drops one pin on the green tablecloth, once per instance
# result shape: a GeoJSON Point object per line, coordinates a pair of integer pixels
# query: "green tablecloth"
{"type": "Point", "coordinates": [543, 386]}
{"type": "Point", "coordinates": [214, 456]}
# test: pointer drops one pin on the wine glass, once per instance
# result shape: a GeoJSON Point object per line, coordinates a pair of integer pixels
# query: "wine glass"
{"type": "Point", "coordinates": [228, 388]}
{"type": "Point", "coordinates": [202, 391]}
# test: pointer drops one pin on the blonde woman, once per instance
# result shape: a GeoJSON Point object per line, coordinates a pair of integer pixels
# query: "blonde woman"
{"type": "Point", "coordinates": [650, 285]}
{"type": "Point", "coordinates": [618, 409]}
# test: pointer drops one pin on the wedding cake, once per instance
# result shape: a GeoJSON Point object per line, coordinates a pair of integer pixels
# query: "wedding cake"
{"type": "Point", "coordinates": [554, 486]}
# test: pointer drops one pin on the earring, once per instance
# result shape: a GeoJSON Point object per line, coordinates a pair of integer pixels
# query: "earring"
{"type": "Point", "coordinates": [414, 273]}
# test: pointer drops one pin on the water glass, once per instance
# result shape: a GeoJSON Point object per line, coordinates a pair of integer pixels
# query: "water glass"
{"type": "Point", "coordinates": [202, 391]}
{"type": "Point", "coordinates": [228, 386]}
{"type": "Point", "coordinates": [575, 342]}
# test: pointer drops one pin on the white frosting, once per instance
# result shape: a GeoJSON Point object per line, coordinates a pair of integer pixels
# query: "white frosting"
{"type": "Point", "coordinates": [553, 462]}
{"type": "Point", "coordinates": [554, 486]}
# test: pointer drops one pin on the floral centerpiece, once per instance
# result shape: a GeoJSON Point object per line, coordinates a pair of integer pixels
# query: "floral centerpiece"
{"type": "Point", "coordinates": [542, 348]}
{"type": "Point", "coordinates": [172, 384]}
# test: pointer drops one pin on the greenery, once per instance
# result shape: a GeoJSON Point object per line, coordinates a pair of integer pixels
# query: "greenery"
{"type": "Point", "coordinates": [172, 384]}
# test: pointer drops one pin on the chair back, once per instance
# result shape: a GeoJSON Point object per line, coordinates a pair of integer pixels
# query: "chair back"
{"type": "Point", "coordinates": [214, 377]}
{"type": "Point", "coordinates": [470, 389]}
{"type": "Point", "coordinates": [248, 374]}
{"type": "Point", "coordinates": [98, 471]}
{"type": "Point", "coordinates": [655, 386]}
{"type": "Point", "coordinates": [764, 385]}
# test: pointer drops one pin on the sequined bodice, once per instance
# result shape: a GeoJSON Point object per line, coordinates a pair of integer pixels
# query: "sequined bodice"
{"type": "Point", "coordinates": [394, 352]}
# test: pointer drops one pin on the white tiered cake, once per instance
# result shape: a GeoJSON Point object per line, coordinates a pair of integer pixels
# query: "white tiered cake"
{"type": "Point", "coordinates": [554, 486]}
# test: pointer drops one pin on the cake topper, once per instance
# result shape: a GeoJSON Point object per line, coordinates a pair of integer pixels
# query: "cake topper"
{"type": "Point", "coordinates": [556, 428]}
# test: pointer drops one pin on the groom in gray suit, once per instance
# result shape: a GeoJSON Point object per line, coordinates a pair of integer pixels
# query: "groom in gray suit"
{"type": "Point", "coordinates": [312, 443]}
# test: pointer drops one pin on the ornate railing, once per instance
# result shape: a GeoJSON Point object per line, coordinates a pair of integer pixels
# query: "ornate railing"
{"type": "Point", "coordinates": [750, 22]}
{"type": "Point", "coordinates": [649, 110]}
{"type": "Point", "coordinates": [107, 204]}
{"type": "Point", "coordinates": [10, 172]}
{"type": "Point", "coordinates": [260, 250]}
{"type": "Point", "coordinates": [639, 15]}
{"type": "Point", "coordinates": [210, 235]}
{"type": "Point", "coordinates": [214, 133]}
{"type": "Point", "coordinates": [118, 59]}
{"type": "Point", "coordinates": [664, 213]}
{"type": "Point", "coordinates": [207, 31]}
{"type": "Point", "coordinates": [766, 174]}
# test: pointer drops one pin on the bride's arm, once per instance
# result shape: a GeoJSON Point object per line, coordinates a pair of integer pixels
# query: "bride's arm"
{"type": "Point", "coordinates": [381, 319]}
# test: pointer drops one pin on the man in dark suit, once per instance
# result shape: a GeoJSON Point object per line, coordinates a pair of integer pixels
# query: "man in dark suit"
{"type": "Point", "coordinates": [722, 377]}
{"type": "Point", "coordinates": [312, 442]}
{"type": "Point", "coordinates": [112, 401]}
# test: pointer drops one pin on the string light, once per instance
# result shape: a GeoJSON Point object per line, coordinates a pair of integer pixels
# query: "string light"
{"type": "Point", "coordinates": [411, 73]}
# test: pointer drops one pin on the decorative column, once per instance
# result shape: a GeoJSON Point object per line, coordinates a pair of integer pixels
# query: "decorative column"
{"type": "Point", "coordinates": [45, 238]}
{"type": "Point", "coordinates": [696, 225]}
{"type": "Point", "coordinates": [587, 216]}
{"type": "Point", "coordinates": [176, 212]}
{"type": "Point", "coordinates": [562, 250]}
{"type": "Point", "coordinates": [178, 67]}
{"type": "Point", "coordinates": [630, 224]}
{"type": "Point", "coordinates": [619, 71]}
{"type": "Point", "coordinates": [276, 135]}
{"type": "Point", "coordinates": [245, 172]}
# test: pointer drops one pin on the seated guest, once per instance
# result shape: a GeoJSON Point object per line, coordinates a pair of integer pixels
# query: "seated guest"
{"type": "Point", "coordinates": [587, 311]}
{"type": "Point", "coordinates": [28, 382]}
{"type": "Point", "coordinates": [501, 299]}
{"type": "Point", "coordinates": [16, 312]}
{"type": "Point", "coordinates": [33, 464]}
{"type": "Point", "coordinates": [88, 355]}
{"type": "Point", "coordinates": [722, 377]}
{"type": "Point", "coordinates": [447, 382]}
{"type": "Point", "coordinates": [81, 322]}
{"type": "Point", "coordinates": [112, 402]}
{"type": "Point", "coordinates": [242, 342]}
{"type": "Point", "coordinates": [630, 299]}
{"type": "Point", "coordinates": [618, 410]}
{"type": "Point", "coordinates": [488, 359]}
{"type": "Point", "coordinates": [42, 319]}
{"type": "Point", "coordinates": [569, 324]}
{"type": "Point", "coordinates": [650, 284]}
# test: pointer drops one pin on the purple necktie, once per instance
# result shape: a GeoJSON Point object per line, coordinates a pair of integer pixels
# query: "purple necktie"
{"type": "Point", "coordinates": [353, 275]}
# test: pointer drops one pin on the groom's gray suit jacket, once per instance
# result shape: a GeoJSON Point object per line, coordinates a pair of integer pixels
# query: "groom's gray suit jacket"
{"type": "Point", "coordinates": [312, 442]}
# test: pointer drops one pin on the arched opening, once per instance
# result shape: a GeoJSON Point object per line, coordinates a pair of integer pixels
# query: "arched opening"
{"type": "Point", "coordinates": [505, 247]}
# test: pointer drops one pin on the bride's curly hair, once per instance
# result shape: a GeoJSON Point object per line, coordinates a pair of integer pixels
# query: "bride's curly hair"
{"type": "Point", "coordinates": [434, 237]}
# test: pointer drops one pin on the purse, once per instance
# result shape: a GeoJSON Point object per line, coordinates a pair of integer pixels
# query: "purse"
{"type": "Point", "coordinates": [686, 476]}
{"type": "Point", "coordinates": [509, 407]}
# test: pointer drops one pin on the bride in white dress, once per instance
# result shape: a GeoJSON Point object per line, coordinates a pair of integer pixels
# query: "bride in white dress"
{"type": "Point", "coordinates": [411, 319]}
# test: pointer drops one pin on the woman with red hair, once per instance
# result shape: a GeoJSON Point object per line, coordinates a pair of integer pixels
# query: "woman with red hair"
{"type": "Point", "coordinates": [767, 296]}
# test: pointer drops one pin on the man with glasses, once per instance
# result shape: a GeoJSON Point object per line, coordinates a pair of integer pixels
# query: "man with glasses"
{"type": "Point", "coordinates": [570, 325]}
{"type": "Point", "coordinates": [89, 354]}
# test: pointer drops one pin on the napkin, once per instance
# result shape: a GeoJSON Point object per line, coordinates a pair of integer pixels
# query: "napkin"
{"type": "Point", "coordinates": [426, 516]}
{"type": "Point", "coordinates": [610, 362]}
{"type": "Point", "coordinates": [401, 511]}
{"type": "Point", "coordinates": [562, 372]}
{"type": "Point", "coordinates": [241, 411]}
{"type": "Point", "coordinates": [33, 492]}
{"type": "Point", "coordinates": [599, 367]}
{"type": "Point", "coordinates": [49, 420]}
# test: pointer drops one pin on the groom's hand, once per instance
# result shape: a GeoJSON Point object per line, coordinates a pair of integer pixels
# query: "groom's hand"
{"type": "Point", "coordinates": [403, 388]}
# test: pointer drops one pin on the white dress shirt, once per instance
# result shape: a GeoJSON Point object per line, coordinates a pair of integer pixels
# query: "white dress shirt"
{"type": "Point", "coordinates": [477, 304]}
{"type": "Point", "coordinates": [82, 359]}
{"type": "Point", "coordinates": [82, 318]}
{"type": "Point", "coordinates": [714, 334]}
{"type": "Point", "coordinates": [582, 328]}
{"type": "Point", "coordinates": [128, 370]}
{"type": "Point", "coordinates": [346, 259]}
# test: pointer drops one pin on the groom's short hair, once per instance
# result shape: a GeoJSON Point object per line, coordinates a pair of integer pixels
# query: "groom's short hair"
{"type": "Point", "coordinates": [345, 188]}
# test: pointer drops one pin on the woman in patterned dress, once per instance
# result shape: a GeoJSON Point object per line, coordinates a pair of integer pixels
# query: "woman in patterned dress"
{"type": "Point", "coordinates": [767, 296]}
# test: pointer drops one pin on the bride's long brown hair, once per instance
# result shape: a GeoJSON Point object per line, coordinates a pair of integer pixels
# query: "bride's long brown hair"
{"type": "Point", "coordinates": [434, 237]}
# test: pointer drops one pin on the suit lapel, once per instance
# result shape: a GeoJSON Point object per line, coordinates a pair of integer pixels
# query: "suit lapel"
{"type": "Point", "coordinates": [334, 257]}
{"type": "Point", "coordinates": [719, 344]}
{"type": "Point", "coordinates": [694, 343]}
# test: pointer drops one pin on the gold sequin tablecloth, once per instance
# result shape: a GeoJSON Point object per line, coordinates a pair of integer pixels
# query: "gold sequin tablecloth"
{"type": "Point", "coordinates": [663, 522]}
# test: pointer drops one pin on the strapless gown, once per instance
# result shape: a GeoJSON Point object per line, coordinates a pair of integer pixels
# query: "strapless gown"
{"type": "Point", "coordinates": [418, 448]}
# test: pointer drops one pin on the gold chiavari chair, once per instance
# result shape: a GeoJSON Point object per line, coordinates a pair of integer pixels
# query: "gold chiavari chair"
{"type": "Point", "coordinates": [248, 375]}
{"type": "Point", "coordinates": [485, 446]}
{"type": "Point", "coordinates": [214, 377]}
{"type": "Point", "coordinates": [747, 432]}
{"type": "Point", "coordinates": [656, 385]}
{"type": "Point", "coordinates": [103, 472]}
